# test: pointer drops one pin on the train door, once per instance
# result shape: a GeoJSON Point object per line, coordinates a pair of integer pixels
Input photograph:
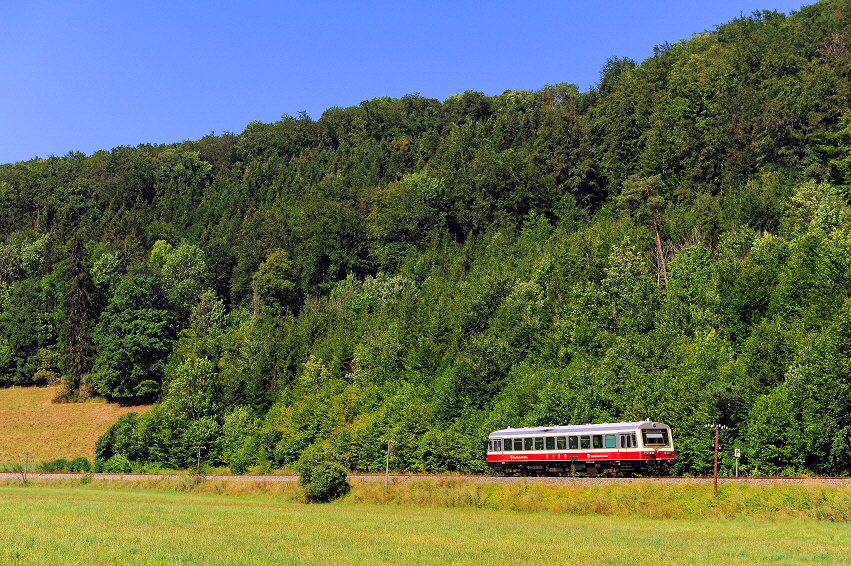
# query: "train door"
{"type": "Point", "coordinates": [628, 440]}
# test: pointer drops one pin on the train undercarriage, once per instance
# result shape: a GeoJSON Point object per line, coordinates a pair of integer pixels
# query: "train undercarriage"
{"type": "Point", "coordinates": [620, 468]}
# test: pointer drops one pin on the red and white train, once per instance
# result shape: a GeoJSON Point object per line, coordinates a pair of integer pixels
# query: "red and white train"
{"type": "Point", "coordinates": [643, 447]}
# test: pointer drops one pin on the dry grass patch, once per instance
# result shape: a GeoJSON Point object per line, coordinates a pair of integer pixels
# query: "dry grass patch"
{"type": "Point", "coordinates": [29, 420]}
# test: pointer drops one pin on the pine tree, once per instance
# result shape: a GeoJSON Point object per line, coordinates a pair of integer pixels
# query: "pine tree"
{"type": "Point", "coordinates": [80, 314]}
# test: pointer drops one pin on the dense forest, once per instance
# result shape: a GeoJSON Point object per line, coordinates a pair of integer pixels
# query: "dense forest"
{"type": "Point", "coordinates": [673, 244]}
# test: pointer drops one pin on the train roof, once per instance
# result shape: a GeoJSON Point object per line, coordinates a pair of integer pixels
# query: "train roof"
{"type": "Point", "coordinates": [586, 428]}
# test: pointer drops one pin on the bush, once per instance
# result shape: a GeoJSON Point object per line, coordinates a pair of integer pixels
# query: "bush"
{"type": "Point", "coordinates": [60, 465]}
{"type": "Point", "coordinates": [80, 464]}
{"type": "Point", "coordinates": [121, 438]}
{"type": "Point", "coordinates": [241, 460]}
{"type": "Point", "coordinates": [264, 465]}
{"type": "Point", "coordinates": [118, 464]}
{"type": "Point", "coordinates": [325, 482]}
{"type": "Point", "coordinates": [239, 442]}
{"type": "Point", "coordinates": [148, 467]}
{"type": "Point", "coordinates": [322, 478]}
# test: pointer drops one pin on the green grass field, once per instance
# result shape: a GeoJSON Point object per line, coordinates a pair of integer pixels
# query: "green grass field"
{"type": "Point", "coordinates": [86, 524]}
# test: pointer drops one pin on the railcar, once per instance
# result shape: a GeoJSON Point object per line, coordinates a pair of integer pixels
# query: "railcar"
{"type": "Point", "coordinates": [642, 447]}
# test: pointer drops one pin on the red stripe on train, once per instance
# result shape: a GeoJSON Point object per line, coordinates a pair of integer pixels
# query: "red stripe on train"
{"type": "Point", "coordinates": [583, 456]}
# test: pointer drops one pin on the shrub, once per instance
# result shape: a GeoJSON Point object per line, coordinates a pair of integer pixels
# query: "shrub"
{"type": "Point", "coordinates": [148, 467]}
{"type": "Point", "coordinates": [60, 465]}
{"type": "Point", "coordinates": [205, 432]}
{"type": "Point", "coordinates": [264, 465]}
{"type": "Point", "coordinates": [121, 438]}
{"type": "Point", "coordinates": [80, 464]}
{"type": "Point", "coordinates": [118, 464]}
{"type": "Point", "coordinates": [322, 478]}
{"type": "Point", "coordinates": [325, 482]}
{"type": "Point", "coordinates": [241, 460]}
{"type": "Point", "coordinates": [239, 439]}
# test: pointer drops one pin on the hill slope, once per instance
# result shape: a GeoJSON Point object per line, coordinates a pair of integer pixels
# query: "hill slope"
{"type": "Point", "coordinates": [670, 245]}
{"type": "Point", "coordinates": [30, 421]}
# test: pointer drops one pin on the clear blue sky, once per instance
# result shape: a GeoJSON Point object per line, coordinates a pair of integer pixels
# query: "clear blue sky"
{"type": "Point", "coordinates": [95, 74]}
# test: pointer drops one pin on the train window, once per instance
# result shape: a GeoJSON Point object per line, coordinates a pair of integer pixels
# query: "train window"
{"type": "Point", "coordinates": [539, 443]}
{"type": "Point", "coordinates": [611, 441]}
{"type": "Point", "coordinates": [655, 437]}
{"type": "Point", "coordinates": [561, 442]}
{"type": "Point", "coordinates": [551, 443]}
{"type": "Point", "coordinates": [598, 440]}
{"type": "Point", "coordinates": [497, 445]}
{"type": "Point", "coordinates": [528, 444]}
{"type": "Point", "coordinates": [628, 440]}
{"type": "Point", "coordinates": [573, 442]}
{"type": "Point", "coordinates": [490, 446]}
{"type": "Point", "coordinates": [518, 444]}
{"type": "Point", "coordinates": [585, 442]}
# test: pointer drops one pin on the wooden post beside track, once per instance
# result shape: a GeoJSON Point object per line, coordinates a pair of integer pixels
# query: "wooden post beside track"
{"type": "Point", "coordinates": [387, 463]}
{"type": "Point", "coordinates": [716, 464]}
{"type": "Point", "coordinates": [26, 465]}
{"type": "Point", "coordinates": [716, 426]}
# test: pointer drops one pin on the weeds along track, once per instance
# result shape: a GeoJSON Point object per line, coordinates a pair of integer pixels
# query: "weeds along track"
{"type": "Point", "coordinates": [376, 478]}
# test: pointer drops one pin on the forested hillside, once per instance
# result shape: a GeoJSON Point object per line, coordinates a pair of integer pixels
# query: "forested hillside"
{"type": "Point", "coordinates": [673, 244]}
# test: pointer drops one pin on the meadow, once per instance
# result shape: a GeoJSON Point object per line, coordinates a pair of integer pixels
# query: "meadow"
{"type": "Point", "coordinates": [168, 523]}
{"type": "Point", "coordinates": [30, 421]}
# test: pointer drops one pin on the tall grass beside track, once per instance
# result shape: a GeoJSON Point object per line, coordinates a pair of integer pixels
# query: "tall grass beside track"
{"type": "Point", "coordinates": [647, 500]}
{"type": "Point", "coordinates": [650, 500]}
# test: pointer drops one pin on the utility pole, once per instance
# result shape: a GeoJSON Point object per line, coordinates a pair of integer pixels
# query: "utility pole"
{"type": "Point", "coordinates": [715, 476]}
{"type": "Point", "coordinates": [715, 473]}
{"type": "Point", "coordinates": [198, 466]}
{"type": "Point", "coordinates": [26, 464]}
{"type": "Point", "coordinates": [387, 463]}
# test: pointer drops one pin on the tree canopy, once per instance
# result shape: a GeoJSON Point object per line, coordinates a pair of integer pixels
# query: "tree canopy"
{"type": "Point", "coordinates": [671, 244]}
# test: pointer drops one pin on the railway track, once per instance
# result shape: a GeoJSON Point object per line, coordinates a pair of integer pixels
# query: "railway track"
{"type": "Point", "coordinates": [396, 478]}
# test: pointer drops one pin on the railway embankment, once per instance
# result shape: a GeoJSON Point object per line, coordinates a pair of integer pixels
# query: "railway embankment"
{"type": "Point", "coordinates": [810, 498]}
{"type": "Point", "coordinates": [583, 481]}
